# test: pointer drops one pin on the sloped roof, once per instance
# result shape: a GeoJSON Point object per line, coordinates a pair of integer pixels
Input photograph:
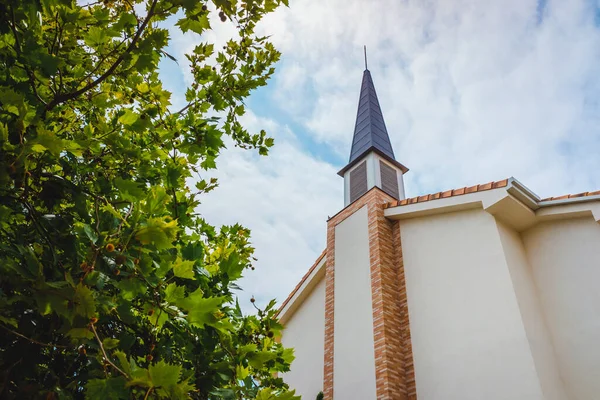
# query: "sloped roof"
{"type": "Point", "coordinates": [304, 278]}
{"type": "Point", "coordinates": [479, 188]}
{"type": "Point", "coordinates": [572, 196]}
{"type": "Point", "coordinates": [449, 193]}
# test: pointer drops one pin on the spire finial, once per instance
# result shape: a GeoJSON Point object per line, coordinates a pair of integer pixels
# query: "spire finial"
{"type": "Point", "coordinates": [366, 57]}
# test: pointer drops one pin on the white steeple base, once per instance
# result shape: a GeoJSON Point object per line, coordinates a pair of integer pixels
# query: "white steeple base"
{"type": "Point", "coordinates": [373, 177]}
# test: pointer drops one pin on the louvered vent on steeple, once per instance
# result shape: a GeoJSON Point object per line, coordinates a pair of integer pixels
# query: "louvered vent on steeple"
{"type": "Point", "coordinates": [389, 179]}
{"type": "Point", "coordinates": [358, 181]}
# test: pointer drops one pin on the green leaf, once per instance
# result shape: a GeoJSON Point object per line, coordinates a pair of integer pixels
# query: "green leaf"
{"type": "Point", "coordinates": [122, 357]}
{"type": "Point", "coordinates": [163, 374]}
{"type": "Point", "coordinates": [201, 310]}
{"type": "Point", "coordinates": [129, 118]}
{"type": "Point", "coordinates": [139, 376]}
{"type": "Point", "coordinates": [183, 269]}
{"type": "Point", "coordinates": [195, 25]}
{"type": "Point", "coordinates": [46, 141]}
{"type": "Point", "coordinates": [110, 209]}
{"type": "Point", "coordinates": [158, 231]}
{"type": "Point", "coordinates": [173, 174]}
{"type": "Point", "coordinates": [241, 372]}
{"type": "Point", "coordinates": [174, 293]}
{"type": "Point", "coordinates": [110, 389]}
{"type": "Point", "coordinates": [125, 20]}
{"type": "Point", "coordinates": [84, 302]}
{"type": "Point", "coordinates": [288, 355]}
{"type": "Point", "coordinates": [270, 394]}
{"type": "Point", "coordinates": [90, 233]}
{"type": "Point", "coordinates": [181, 391]}
{"type": "Point", "coordinates": [110, 343]}
{"type": "Point", "coordinates": [129, 190]}
{"type": "Point", "coordinates": [96, 36]}
{"type": "Point", "coordinates": [49, 302]}
{"type": "Point", "coordinates": [257, 359]}
{"type": "Point", "coordinates": [232, 266]}
{"type": "Point", "coordinates": [158, 317]}
{"type": "Point", "coordinates": [3, 133]}
{"type": "Point", "coordinates": [247, 348]}
{"type": "Point", "coordinates": [265, 394]}
{"type": "Point", "coordinates": [193, 251]}
{"type": "Point", "coordinates": [156, 200]}
{"type": "Point", "coordinates": [9, 321]}
{"type": "Point", "coordinates": [143, 87]}
{"type": "Point", "coordinates": [131, 288]}
{"type": "Point", "coordinates": [78, 333]}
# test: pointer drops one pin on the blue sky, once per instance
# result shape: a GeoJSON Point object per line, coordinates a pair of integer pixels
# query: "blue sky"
{"type": "Point", "coordinates": [471, 92]}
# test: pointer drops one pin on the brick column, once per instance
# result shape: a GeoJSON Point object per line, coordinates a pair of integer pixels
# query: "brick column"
{"type": "Point", "coordinates": [409, 367]}
{"type": "Point", "coordinates": [329, 308]}
{"type": "Point", "coordinates": [394, 370]}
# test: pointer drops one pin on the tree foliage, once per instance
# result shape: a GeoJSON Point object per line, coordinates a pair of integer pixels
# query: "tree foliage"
{"type": "Point", "coordinates": [111, 285]}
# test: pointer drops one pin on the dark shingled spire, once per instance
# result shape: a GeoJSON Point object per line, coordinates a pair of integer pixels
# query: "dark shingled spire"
{"type": "Point", "coordinates": [370, 133]}
{"type": "Point", "coordinates": [369, 130]}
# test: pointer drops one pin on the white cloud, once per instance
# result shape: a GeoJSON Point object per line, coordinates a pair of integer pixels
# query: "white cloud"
{"type": "Point", "coordinates": [471, 91]}
{"type": "Point", "coordinates": [284, 199]}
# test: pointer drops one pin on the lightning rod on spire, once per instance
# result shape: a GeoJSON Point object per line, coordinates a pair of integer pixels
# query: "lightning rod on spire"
{"type": "Point", "coordinates": [366, 57]}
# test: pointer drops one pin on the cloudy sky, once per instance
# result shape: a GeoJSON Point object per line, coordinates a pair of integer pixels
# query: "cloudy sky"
{"type": "Point", "coordinates": [471, 91]}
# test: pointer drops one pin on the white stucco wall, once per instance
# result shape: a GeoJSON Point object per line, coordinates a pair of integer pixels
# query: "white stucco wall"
{"type": "Point", "coordinates": [468, 339]}
{"type": "Point", "coordinates": [565, 260]}
{"type": "Point", "coordinates": [354, 352]}
{"type": "Point", "coordinates": [532, 314]}
{"type": "Point", "coordinates": [305, 332]}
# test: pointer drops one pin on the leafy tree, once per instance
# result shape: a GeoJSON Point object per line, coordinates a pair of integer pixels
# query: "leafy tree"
{"type": "Point", "coordinates": [111, 285]}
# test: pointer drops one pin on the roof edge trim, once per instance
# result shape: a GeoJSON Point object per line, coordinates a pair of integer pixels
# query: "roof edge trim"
{"type": "Point", "coordinates": [287, 309]}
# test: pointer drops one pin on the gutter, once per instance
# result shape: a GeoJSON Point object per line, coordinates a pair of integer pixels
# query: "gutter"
{"type": "Point", "coordinates": [523, 193]}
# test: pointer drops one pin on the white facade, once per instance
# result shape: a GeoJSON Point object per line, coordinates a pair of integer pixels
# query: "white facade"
{"type": "Point", "coordinates": [503, 294]}
{"type": "Point", "coordinates": [564, 256]}
{"type": "Point", "coordinates": [465, 323]}
{"type": "Point", "coordinates": [305, 333]}
{"type": "Point", "coordinates": [532, 314]}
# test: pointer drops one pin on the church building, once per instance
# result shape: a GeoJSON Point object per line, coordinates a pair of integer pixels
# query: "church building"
{"type": "Point", "coordinates": [485, 292]}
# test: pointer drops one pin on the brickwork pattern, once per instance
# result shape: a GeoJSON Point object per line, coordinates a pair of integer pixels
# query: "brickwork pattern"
{"type": "Point", "coordinates": [394, 370]}
{"type": "Point", "coordinates": [409, 367]}
{"type": "Point", "coordinates": [390, 320]}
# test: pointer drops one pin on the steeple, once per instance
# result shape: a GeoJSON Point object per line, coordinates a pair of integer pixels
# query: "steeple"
{"type": "Point", "coordinates": [369, 130]}
{"type": "Point", "coordinates": [371, 143]}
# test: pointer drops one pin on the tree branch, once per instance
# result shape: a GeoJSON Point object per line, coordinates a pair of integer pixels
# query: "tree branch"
{"type": "Point", "coordinates": [148, 393]}
{"type": "Point", "coordinates": [70, 96]}
{"type": "Point", "coordinates": [32, 340]}
{"type": "Point", "coordinates": [13, 28]}
{"type": "Point", "coordinates": [104, 352]}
